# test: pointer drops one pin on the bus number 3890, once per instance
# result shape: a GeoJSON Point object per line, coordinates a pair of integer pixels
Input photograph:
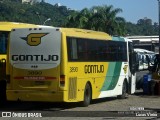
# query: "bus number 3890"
{"type": "Point", "coordinates": [34, 72]}
{"type": "Point", "coordinates": [73, 69]}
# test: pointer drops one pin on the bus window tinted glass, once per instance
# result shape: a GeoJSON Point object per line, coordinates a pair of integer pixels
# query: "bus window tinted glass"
{"type": "Point", "coordinates": [96, 50]}
{"type": "Point", "coordinates": [3, 42]}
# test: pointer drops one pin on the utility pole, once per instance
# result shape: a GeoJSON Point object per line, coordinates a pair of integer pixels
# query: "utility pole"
{"type": "Point", "coordinates": [46, 21]}
{"type": "Point", "coordinates": [40, 22]}
{"type": "Point", "coordinates": [159, 25]}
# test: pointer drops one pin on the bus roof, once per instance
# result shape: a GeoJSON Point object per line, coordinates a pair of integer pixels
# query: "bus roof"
{"type": "Point", "coordinates": [80, 33]}
{"type": "Point", "coordinates": [83, 33]}
{"type": "Point", "coordinates": [143, 50]}
{"type": "Point", "coordinates": [8, 26]}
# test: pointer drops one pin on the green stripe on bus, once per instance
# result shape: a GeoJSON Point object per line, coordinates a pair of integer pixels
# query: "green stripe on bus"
{"type": "Point", "coordinates": [112, 77]}
{"type": "Point", "coordinates": [109, 76]}
{"type": "Point", "coordinates": [116, 76]}
{"type": "Point", "coordinates": [118, 39]}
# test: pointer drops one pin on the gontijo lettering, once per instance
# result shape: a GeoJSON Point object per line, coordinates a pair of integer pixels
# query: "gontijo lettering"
{"type": "Point", "coordinates": [35, 58]}
{"type": "Point", "coordinates": [94, 69]}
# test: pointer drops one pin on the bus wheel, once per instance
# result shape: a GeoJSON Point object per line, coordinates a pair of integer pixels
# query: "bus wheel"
{"type": "Point", "coordinates": [87, 96]}
{"type": "Point", "coordinates": [124, 91]}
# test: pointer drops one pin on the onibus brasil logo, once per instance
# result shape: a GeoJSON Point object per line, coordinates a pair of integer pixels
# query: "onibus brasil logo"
{"type": "Point", "coordinates": [34, 39]}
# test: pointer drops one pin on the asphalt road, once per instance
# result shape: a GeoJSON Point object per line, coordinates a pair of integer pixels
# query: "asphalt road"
{"type": "Point", "coordinates": [112, 108]}
{"type": "Point", "coordinates": [137, 106]}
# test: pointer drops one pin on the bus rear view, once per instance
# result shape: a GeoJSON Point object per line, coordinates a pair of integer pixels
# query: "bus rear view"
{"type": "Point", "coordinates": [5, 29]}
{"type": "Point", "coordinates": [34, 65]}
{"type": "Point", "coordinates": [68, 65]}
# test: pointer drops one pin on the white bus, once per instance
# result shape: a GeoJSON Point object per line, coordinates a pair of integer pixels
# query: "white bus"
{"type": "Point", "coordinates": [142, 58]}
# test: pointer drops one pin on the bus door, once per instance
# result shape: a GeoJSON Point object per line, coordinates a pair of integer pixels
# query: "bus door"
{"type": "Point", "coordinates": [133, 66]}
{"type": "Point", "coordinates": [35, 58]}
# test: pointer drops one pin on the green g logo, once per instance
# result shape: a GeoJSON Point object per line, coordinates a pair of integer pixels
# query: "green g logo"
{"type": "Point", "coordinates": [34, 39]}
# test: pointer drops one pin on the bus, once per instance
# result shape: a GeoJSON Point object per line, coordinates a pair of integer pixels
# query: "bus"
{"type": "Point", "coordinates": [144, 64]}
{"type": "Point", "coordinates": [5, 28]}
{"type": "Point", "coordinates": [54, 64]}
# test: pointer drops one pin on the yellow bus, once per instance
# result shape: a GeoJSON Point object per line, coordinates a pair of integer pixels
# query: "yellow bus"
{"type": "Point", "coordinates": [69, 65]}
{"type": "Point", "coordinates": [5, 28]}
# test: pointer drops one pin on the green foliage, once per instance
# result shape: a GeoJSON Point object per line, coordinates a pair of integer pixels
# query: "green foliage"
{"type": "Point", "coordinates": [99, 18]}
{"type": "Point", "coordinates": [143, 27]}
{"type": "Point", "coordinates": [104, 18]}
{"type": "Point", "coordinates": [37, 13]}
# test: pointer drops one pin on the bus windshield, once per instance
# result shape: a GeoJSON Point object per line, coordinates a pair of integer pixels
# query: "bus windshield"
{"type": "Point", "coordinates": [3, 42]}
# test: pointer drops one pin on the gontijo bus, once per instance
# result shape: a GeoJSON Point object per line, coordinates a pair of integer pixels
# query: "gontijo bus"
{"type": "Point", "coordinates": [5, 28]}
{"type": "Point", "coordinates": [70, 65]}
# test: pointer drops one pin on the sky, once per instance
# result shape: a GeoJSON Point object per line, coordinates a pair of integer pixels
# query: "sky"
{"type": "Point", "coordinates": [133, 10]}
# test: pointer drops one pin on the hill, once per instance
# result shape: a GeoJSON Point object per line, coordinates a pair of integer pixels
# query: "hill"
{"type": "Point", "coordinates": [38, 13]}
{"type": "Point", "coordinates": [14, 10]}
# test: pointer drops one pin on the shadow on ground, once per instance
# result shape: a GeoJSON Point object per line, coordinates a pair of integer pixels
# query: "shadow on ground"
{"type": "Point", "coordinates": [46, 106]}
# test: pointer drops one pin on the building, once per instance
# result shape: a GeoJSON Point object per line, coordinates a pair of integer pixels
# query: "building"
{"type": "Point", "coordinates": [31, 1]}
{"type": "Point", "coordinates": [150, 43]}
{"type": "Point", "coordinates": [58, 4]}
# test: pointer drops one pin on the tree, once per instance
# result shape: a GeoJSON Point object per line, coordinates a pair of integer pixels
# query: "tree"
{"type": "Point", "coordinates": [146, 27]}
{"type": "Point", "coordinates": [79, 19]}
{"type": "Point", "coordinates": [145, 21]}
{"type": "Point", "coordinates": [106, 17]}
{"type": "Point", "coordinates": [143, 27]}
{"type": "Point", "coordinates": [99, 18]}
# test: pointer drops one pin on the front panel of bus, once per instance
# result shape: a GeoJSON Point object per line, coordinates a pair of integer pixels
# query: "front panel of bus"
{"type": "Point", "coordinates": [35, 68]}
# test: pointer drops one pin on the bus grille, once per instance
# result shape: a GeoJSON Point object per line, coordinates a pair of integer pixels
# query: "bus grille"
{"type": "Point", "coordinates": [72, 94]}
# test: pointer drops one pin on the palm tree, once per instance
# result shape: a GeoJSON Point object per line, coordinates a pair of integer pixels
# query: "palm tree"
{"type": "Point", "coordinates": [78, 19]}
{"type": "Point", "coordinates": [72, 20]}
{"type": "Point", "coordinates": [99, 18]}
{"type": "Point", "coordinates": [106, 20]}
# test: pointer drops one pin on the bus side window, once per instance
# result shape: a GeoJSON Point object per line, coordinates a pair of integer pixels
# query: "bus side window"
{"type": "Point", "coordinates": [2, 43]}
{"type": "Point", "coordinates": [72, 49]}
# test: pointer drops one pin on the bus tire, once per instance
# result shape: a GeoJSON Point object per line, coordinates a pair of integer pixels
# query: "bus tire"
{"type": "Point", "coordinates": [87, 96]}
{"type": "Point", "coordinates": [124, 91]}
